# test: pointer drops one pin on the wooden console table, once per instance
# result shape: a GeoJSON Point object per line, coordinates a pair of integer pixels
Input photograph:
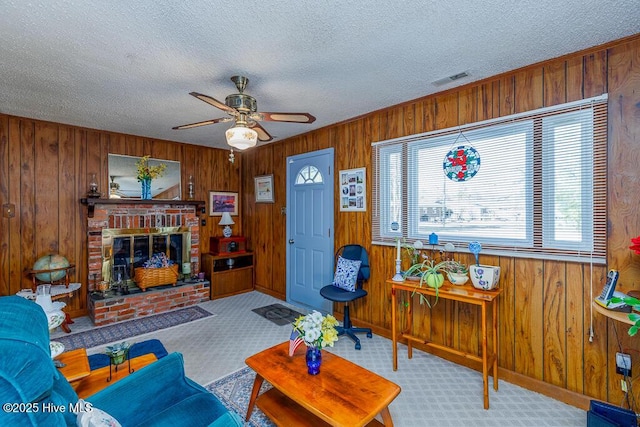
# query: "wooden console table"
{"type": "Point", "coordinates": [466, 294]}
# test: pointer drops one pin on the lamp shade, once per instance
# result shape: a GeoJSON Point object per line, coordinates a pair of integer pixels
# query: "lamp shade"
{"type": "Point", "coordinates": [241, 137]}
{"type": "Point", "coordinates": [226, 219]}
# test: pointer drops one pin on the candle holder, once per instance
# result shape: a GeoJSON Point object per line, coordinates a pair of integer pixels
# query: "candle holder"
{"type": "Point", "coordinates": [190, 188]}
{"type": "Point", "coordinates": [398, 277]}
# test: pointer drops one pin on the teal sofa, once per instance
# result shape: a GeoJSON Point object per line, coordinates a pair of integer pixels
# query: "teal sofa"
{"type": "Point", "coordinates": [34, 393]}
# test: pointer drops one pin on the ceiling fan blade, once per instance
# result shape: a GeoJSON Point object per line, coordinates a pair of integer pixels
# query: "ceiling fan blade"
{"type": "Point", "coordinates": [263, 135]}
{"type": "Point", "coordinates": [204, 123]}
{"type": "Point", "coordinates": [286, 117]}
{"type": "Point", "coordinates": [212, 101]}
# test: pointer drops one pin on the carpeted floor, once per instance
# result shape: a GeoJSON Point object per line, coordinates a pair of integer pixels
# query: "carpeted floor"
{"type": "Point", "coordinates": [234, 392]}
{"type": "Point", "coordinates": [123, 330]}
{"type": "Point", "coordinates": [277, 313]}
{"type": "Point", "coordinates": [435, 392]}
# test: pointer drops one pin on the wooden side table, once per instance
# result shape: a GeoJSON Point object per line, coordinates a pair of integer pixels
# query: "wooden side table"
{"type": "Point", "coordinates": [229, 278]}
{"type": "Point", "coordinates": [76, 365]}
{"type": "Point", "coordinates": [57, 292]}
{"type": "Point", "coordinates": [97, 379]}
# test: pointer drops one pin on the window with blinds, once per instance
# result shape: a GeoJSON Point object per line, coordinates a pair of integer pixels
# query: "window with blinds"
{"type": "Point", "coordinates": [539, 188]}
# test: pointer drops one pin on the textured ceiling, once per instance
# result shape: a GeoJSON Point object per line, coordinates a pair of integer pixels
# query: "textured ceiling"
{"type": "Point", "coordinates": [128, 66]}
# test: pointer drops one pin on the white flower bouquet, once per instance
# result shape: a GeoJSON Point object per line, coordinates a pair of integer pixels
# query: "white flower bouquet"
{"type": "Point", "coordinates": [317, 330]}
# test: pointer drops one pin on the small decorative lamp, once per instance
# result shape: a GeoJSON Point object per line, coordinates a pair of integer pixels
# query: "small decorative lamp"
{"type": "Point", "coordinates": [226, 220]}
{"type": "Point", "coordinates": [93, 187]}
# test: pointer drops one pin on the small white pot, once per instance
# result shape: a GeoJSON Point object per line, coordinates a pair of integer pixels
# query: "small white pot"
{"type": "Point", "coordinates": [458, 278]}
{"type": "Point", "coordinates": [484, 277]}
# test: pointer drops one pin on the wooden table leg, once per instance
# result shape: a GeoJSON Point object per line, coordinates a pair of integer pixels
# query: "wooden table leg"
{"type": "Point", "coordinates": [386, 417]}
{"type": "Point", "coordinates": [65, 327]}
{"type": "Point", "coordinates": [495, 344]}
{"type": "Point", "coordinates": [257, 383]}
{"type": "Point", "coordinates": [394, 338]}
{"type": "Point", "coordinates": [409, 328]}
{"type": "Point", "coordinates": [485, 362]}
{"type": "Point", "coordinates": [66, 322]}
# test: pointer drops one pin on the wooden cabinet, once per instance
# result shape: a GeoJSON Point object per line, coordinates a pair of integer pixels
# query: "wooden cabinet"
{"type": "Point", "coordinates": [229, 274]}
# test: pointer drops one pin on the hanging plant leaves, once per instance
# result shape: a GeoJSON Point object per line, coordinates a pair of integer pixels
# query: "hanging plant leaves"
{"type": "Point", "coordinates": [461, 163]}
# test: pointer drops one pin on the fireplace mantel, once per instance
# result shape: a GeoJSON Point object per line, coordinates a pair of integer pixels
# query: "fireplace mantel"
{"type": "Point", "coordinates": [92, 202]}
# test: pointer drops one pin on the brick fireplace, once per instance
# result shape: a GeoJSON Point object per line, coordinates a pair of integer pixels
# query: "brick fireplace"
{"type": "Point", "coordinates": [141, 216]}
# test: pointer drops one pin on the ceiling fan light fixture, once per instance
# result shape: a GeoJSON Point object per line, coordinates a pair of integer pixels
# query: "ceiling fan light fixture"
{"type": "Point", "coordinates": [241, 137]}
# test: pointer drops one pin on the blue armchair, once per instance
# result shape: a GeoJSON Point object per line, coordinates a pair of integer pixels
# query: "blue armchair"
{"type": "Point", "coordinates": [38, 395]}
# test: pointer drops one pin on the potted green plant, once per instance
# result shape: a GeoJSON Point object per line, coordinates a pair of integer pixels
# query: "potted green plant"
{"type": "Point", "coordinates": [428, 273]}
{"type": "Point", "coordinates": [457, 273]}
{"type": "Point", "coordinates": [633, 316]}
{"type": "Point", "coordinates": [413, 251]}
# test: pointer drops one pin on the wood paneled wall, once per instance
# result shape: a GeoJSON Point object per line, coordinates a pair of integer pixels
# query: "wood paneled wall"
{"type": "Point", "coordinates": [45, 169]}
{"type": "Point", "coordinates": [545, 310]}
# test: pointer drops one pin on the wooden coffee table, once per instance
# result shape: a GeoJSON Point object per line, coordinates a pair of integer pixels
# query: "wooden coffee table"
{"type": "Point", "coordinates": [342, 394]}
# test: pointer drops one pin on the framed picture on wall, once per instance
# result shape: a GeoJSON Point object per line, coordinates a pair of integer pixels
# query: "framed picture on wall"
{"type": "Point", "coordinates": [264, 189]}
{"type": "Point", "coordinates": [353, 190]}
{"type": "Point", "coordinates": [222, 201]}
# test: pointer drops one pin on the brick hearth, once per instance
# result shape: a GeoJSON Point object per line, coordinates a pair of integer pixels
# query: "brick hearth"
{"type": "Point", "coordinates": [153, 301]}
{"type": "Point", "coordinates": [141, 215]}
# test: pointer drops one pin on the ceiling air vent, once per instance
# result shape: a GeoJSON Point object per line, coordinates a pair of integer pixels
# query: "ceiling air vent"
{"type": "Point", "coordinates": [451, 78]}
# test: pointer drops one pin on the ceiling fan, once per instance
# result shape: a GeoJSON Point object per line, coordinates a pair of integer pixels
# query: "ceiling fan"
{"type": "Point", "coordinates": [243, 110]}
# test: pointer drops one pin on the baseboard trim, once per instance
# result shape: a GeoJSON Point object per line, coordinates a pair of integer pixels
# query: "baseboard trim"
{"type": "Point", "coordinates": [270, 292]}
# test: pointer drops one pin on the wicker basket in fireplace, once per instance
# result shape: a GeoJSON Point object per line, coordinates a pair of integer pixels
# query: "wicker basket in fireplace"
{"type": "Point", "coordinates": [150, 277]}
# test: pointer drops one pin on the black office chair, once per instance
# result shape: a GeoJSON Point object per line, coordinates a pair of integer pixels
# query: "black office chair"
{"type": "Point", "coordinates": [337, 294]}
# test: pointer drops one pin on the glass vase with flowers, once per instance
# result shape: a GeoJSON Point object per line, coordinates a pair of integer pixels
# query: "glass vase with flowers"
{"type": "Point", "coordinates": [146, 173]}
{"type": "Point", "coordinates": [317, 332]}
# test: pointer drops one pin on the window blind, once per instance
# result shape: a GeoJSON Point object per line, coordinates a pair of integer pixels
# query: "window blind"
{"type": "Point", "coordinates": [539, 190]}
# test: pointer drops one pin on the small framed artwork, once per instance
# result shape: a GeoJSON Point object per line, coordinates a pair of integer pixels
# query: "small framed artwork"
{"type": "Point", "coordinates": [264, 189]}
{"type": "Point", "coordinates": [222, 201]}
{"type": "Point", "coordinates": [353, 190]}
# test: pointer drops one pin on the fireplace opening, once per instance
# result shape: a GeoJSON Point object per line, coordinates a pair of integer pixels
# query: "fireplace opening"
{"type": "Point", "coordinates": [124, 250]}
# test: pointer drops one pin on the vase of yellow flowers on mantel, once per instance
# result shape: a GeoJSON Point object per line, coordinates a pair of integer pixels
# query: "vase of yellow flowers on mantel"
{"type": "Point", "coordinates": [317, 332]}
{"type": "Point", "coordinates": [146, 173]}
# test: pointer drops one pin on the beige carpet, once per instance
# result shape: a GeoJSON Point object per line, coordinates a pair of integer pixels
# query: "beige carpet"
{"type": "Point", "coordinates": [435, 392]}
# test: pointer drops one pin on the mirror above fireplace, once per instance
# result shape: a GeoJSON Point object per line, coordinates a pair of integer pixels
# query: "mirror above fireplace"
{"type": "Point", "coordinates": [123, 183]}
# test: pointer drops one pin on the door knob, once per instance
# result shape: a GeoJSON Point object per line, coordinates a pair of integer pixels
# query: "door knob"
{"type": "Point", "coordinates": [291, 241]}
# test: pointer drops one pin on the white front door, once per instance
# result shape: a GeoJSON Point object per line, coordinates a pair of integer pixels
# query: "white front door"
{"type": "Point", "coordinates": [310, 228]}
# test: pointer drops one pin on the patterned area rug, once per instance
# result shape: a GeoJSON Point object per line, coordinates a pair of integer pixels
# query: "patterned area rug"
{"type": "Point", "coordinates": [234, 392]}
{"type": "Point", "coordinates": [130, 328]}
{"type": "Point", "coordinates": [277, 313]}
